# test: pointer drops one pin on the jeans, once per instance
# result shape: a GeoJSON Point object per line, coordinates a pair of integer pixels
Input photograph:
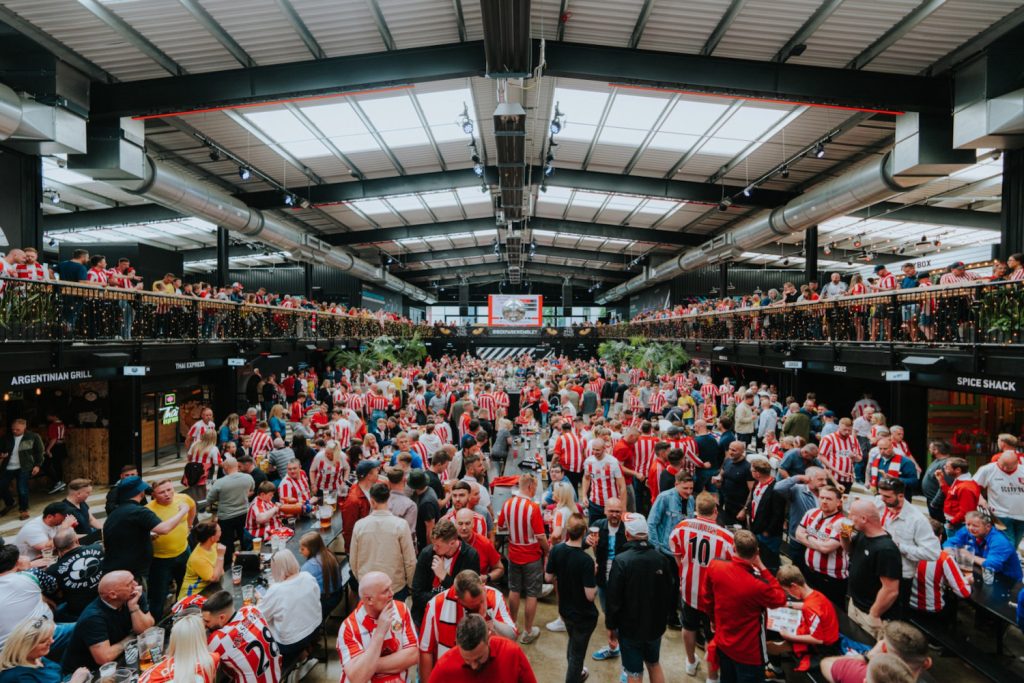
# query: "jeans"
{"type": "Point", "coordinates": [733, 672]}
{"type": "Point", "coordinates": [1014, 529]}
{"type": "Point", "coordinates": [607, 403]}
{"type": "Point", "coordinates": [161, 572]}
{"type": "Point", "coordinates": [233, 530]}
{"type": "Point", "coordinates": [20, 477]}
{"type": "Point", "coordinates": [576, 649]}
{"type": "Point", "coordinates": [61, 638]}
{"type": "Point", "coordinates": [127, 318]}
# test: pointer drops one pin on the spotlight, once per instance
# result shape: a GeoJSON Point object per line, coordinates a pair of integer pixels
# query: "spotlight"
{"type": "Point", "coordinates": [55, 197]}
{"type": "Point", "coordinates": [556, 122]}
{"type": "Point", "coordinates": [244, 173]}
{"type": "Point", "coordinates": [785, 172]}
{"type": "Point", "coordinates": [828, 250]}
{"type": "Point", "coordinates": [849, 261]}
{"type": "Point", "coordinates": [937, 243]}
{"type": "Point", "coordinates": [819, 151]}
{"type": "Point", "coordinates": [746, 192]}
{"type": "Point", "coordinates": [52, 242]}
{"type": "Point", "coordinates": [467, 126]}
{"type": "Point", "coordinates": [289, 199]}
{"type": "Point", "coordinates": [543, 188]}
{"type": "Point", "coordinates": [497, 248]}
{"type": "Point", "coordinates": [215, 155]}
{"type": "Point", "coordinates": [785, 261]}
{"type": "Point", "coordinates": [857, 243]}
{"type": "Point", "coordinates": [478, 168]}
{"type": "Point", "coordinates": [549, 170]}
{"type": "Point", "coordinates": [549, 158]}
{"type": "Point", "coordinates": [442, 288]}
{"type": "Point", "coordinates": [533, 248]}
{"type": "Point", "coordinates": [901, 250]}
{"type": "Point", "coordinates": [389, 260]}
{"type": "Point", "coordinates": [725, 204]}
{"type": "Point", "coordinates": [475, 158]}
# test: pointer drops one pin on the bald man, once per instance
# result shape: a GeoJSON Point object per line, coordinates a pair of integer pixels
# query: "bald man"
{"type": "Point", "coordinates": [118, 613]}
{"type": "Point", "coordinates": [378, 638]}
{"type": "Point", "coordinates": [875, 568]}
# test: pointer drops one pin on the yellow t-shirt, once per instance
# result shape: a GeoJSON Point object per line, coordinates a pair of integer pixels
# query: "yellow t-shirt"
{"type": "Point", "coordinates": [176, 542]}
{"type": "Point", "coordinates": [198, 571]}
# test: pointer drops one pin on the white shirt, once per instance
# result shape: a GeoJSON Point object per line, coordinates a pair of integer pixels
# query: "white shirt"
{"type": "Point", "coordinates": [23, 599]}
{"type": "Point", "coordinates": [485, 495]}
{"type": "Point", "coordinates": [862, 427]}
{"type": "Point", "coordinates": [1004, 492]}
{"type": "Point", "coordinates": [432, 442]}
{"type": "Point", "coordinates": [14, 462]}
{"type": "Point", "coordinates": [34, 532]}
{"type": "Point", "coordinates": [912, 533]}
{"type": "Point", "coordinates": [292, 608]}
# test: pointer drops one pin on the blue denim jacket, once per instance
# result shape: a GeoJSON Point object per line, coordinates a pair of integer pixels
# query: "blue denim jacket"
{"type": "Point", "coordinates": [666, 512]}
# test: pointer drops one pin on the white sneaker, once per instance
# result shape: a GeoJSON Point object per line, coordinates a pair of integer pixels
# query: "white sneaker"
{"type": "Point", "coordinates": [691, 667]}
{"type": "Point", "coordinates": [546, 590]}
{"type": "Point", "coordinates": [58, 487]}
{"type": "Point", "coordinates": [557, 625]}
{"type": "Point", "coordinates": [530, 636]}
{"type": "Point", "coordinates": [306, 667]}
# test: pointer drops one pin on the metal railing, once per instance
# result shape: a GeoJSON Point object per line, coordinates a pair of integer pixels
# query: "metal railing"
{"type": "Point", "coordinates": [49, 310]}
{"type": "Point", "coordinates": [956, 314]}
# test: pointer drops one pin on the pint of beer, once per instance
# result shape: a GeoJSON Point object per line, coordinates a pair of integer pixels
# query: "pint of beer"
{"type": "Point", "coordinates": [325, 512]}
{"type": "Point", "coordinates": [257, 545]}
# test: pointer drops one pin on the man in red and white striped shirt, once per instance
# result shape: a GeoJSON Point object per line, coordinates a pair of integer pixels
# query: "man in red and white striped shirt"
{"type": "Point", "coordinates": [487, 403]}
{"type": "Point", "coordinates": [461, 493]}
{"type": "Point", "coordinates": [882, 311]}
{"type": "Point", "coordinates": [261, 521]}
{"type": "Point", "coordinates": [340, 429]}
{"type": "Point", "coordinates": [377, 642]}
{"type": "Point", "coordinates": [932, 578]}
{"type": "Point", "coordinates": [376, 406]}
{"type": "Point", "coordinates": [695, 543]}
{"type": "Point", "coordinates": [688, 445]}
{"type": "Point", "coordinates": [468, 595]}
{"type": "Point", "coordinates": [527, 547]}
{"type": "Point", "coordinates": [442, 429]}
{"type": "Point", "coordinates": [570, 452]}
{"type": "Point", "coordinates": [501, 399]}
{"type": "Point", "coordinates": [204, 424]}
{"type": "Point", "coordinates": [242, 639]}
{"type": "Point", "coordinates": [294, 488]}
{"type": "Point", "coordinates": [656, 403]}
{"type": "Point", "coordinates": [644, 459]}
{"type": "Point", "coordinates": [839, 451]}
{"type": "Point", "coordinates": [602, 479]}
{"type": "Point", "coordinates": [32, 269]}
{"type": "Point", "coordinates": [260, 442]}
{"type": "Point", "coordinates": [820, 533]}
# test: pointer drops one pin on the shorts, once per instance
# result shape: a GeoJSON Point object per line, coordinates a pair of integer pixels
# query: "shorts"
{"type": "Point", "coordinates": [880, 311]}
{"type": "Point", "coordinates": [693, 618]}
{"type": "Point", "coordinates": [526, 579]}
{"type": "Point", "coordinates": [636, 653]}
{"type": "Point", "coordinates": [910, 311]}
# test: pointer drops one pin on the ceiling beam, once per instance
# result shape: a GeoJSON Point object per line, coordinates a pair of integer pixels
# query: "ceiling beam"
{"type": "Point", "coordinates": [640, 25]}
{"type": "Point", "coordinates": [136, 39]}
{"type": "Point", "coordinates": [897, 31]}
{"type": "Point", "coordinates": [735, 7]}
{"type": "Point", "coordinates": [299, 26]}
{"type": "Point", "coordinates": [99, 218]}
{"type": "Point", "coordinates": [528, 268]}
{"type": "Point", "coordinates": [54, 47]}
{"type": "Point", "coordinates": [813, 23]}
{"type": "Point", "coordinates": [799, 84]}
{"type": "Point", "coordinates": [382, 25]}
{"type": "Point", "coordinates": [548, 224]}
{"type": "Point", "coordinates": [933, 215]}
{"type": "Point", "coordinates": [542, 250]}
{"type": "Point", "coordinates": [207, 21]}
{"type": "Point", "coordinates": [682, 190]}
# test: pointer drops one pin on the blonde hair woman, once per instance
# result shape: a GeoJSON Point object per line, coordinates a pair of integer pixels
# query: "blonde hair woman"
{"type": "Point", "coordinates": [205, 452]}
{"type": "Point", "coordinates": [24, 655]}
{"type": "Point", "coordinates": [565, 506]}
{"type": "Point", "coordinates": [188, 659]}
{"type": "Point", "coordinates": [291, 606]}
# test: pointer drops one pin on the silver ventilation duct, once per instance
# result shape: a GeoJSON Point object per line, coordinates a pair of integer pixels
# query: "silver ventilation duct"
{"type": "Point", "coordinates": [36, 128]}
{"type": "Point", "coordinates": [175, 189]}
{"type": "Point", "coordinates": [863, 186]}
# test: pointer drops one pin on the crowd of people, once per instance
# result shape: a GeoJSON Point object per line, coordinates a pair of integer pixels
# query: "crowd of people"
{"type": "Point", "coordinates": [917, 319]}
{"type": "Point", "coordinates": [659, 502]}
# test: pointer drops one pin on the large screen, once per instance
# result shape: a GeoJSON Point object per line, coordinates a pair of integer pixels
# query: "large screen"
{"type": "Point", "coordinates": [515, 310]}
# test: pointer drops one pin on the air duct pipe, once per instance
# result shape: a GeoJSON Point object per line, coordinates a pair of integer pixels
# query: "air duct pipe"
{"type": "Point", "coordinates": [10, 112]}
{"type": "Point", "coordinates": [175, 189]}
{"type": "Point", "coordinates": [861, 187]}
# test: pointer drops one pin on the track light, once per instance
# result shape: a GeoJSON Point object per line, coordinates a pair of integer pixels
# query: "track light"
{"type": "Point", "coordinates": [543, 188]}
{"type": "Point", "coordinates": [215, 154]}
{"type": "Point", "coordinates": [746, 191]}
{"type": "Point", "coordinates": [556, 122]}
{"type": "Point", "coordinates": [289, 199]}
{"type": "Point", "coordinates": [937, 243]}
{"type": "Point", "coordinates": [478, 168]}
{"type": "Point", "coordinates": [244, 173]}
{"type": "Point", "coordinates": [549, 158]}
{"type": "Point", "coordinates": [785, 261]}
{"type": "Point", "coordinates": [725, 204]}
{"type": "Point", "coordinates": [828, 250]}
{"type": "Point", "coordinates": [849, 261]}
{"type": "Point", "coordinates": [55, 197]}
{"type": "Point", "coordinates": [467, 126]}
{"type": "Point", "coordinates": [819, 151]}
{"type": "Point", "coordinates": [52, 242]}
{"type": "Point", "coordinates": [475, 158]}
{"type": "Point", "coordinates": [857, 243]}
{"type": "Point", "coordinates": [549, 169]}
{"type": "Point", "coordinates": [497, 248]}
{"type": "Point", "coordinates": [785, 172]}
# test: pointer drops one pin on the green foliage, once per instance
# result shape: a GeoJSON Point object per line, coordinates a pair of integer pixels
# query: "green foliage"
{"type": "Point", "coordinates": [654, 357]}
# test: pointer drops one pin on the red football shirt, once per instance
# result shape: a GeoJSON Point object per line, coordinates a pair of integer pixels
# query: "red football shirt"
{"type": "Point", "coordinates": [506, 664]}
{"type": "Point", "coordinates": [625, 453]}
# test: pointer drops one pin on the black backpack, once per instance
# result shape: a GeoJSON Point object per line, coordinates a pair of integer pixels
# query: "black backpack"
{"type": "Point", "coordinates": [192, 475]}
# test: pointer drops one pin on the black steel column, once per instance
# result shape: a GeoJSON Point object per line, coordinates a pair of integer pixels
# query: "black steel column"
{"type": "Point", "coordinates": [307, 280]}
{"type": "Point", "coordinates": [723, 278]}
{"type": "Point", "coordinates": [21, 196]}
{"type": "Point", "coordinates": [463, 299]}
{"type": "Point", "coordinates": [223, 264]}
{"type": "Point", "coordinates": [811, 254]}
{"type": "Point", "coordinates": [1012, 241]}
{"type": "Point", "coordinates": [567, 298]}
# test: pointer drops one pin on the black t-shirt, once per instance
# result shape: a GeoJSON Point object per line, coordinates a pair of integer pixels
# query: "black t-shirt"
{"type": "Point", "coordinates": [258, 477]}
{"type": "Point", "coordinates": [126, 540]}
{"type": "Point", "coordinates": [427, 509]}
{"type": "Point", "coordinates": [99, 622]}
{"type": "Point", "coordinates": [78, 574]}
{"type": "Point", "coordinates": [574, 570]}
{"type": "Point", "coordinates": [81, 515]}
{"type": "Point", "coordinates": [871, 558]}
{"type": "Point", "coordinates": [434, 482]}
{"type": "Point", "coordinates": [734, 489]}
{"type": "Point", "coordinates": [709, 450]}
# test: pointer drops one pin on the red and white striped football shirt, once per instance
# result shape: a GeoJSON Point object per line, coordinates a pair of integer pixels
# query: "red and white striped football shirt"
{"type": "Point", "coordinates": [421, 450]}
{"type": "Point", "coordinates": [443, 431]}
{"type": "Point", "coordinates": [954, 279]}
{"type": "Point", "coordinates": [931, 577]}
{"type": "Point", "coordinates": [657, 402]}
{"type": "Point", "coordinates": [31, 271]}
{"type": "Point", "coordinates": [376, 402]}
{"type": "Point", "coordinates": [634, 403]}
{"type": "Point", "coordinates": [443, 614]}
{"type": "Point", "coordinates": [97, 276]}
{"type": "Point", "coordinates": [836, 453]}
{"type": "Point", "coordinates": [294, 489]}
{"type": "Point", "coordinates": [644, 453]}
{"type": "Point", "coordinates": [198, 429]}
{"type": "Point", "coordinates": [569, 450]}
{"type": "Point", "coordinates": [635, 375]}
{"type": "Point", "coordinates": [248, 653]}
{"type": "Point", "coordinates": [209, 458]}
{"type": "Point", "coordinates": [325, 474]}
{"type": "Point", "coordinates": [524, 521]}
{"type": "Point", "coordinates": [357, 630]}
{"type": "Point", "coordinates": [502, 400]}
{"type": "Point", "coordinates": [696, 543]}
{"type": "Point", "coordinates": [823, 528]}
{"type": "Point", "coordinates": [487, 403]}
{"type": "Point", "coordinates": [260, 443]}
{"type": "Point", "coordinates": [688, 445]}
{"type": "Point", "coordinates": [709, 391]}
{"type": "Point", "coordinates": [341, 431]}
{"type": "Point", "coordinates": [604, 474]}
{"type": "Point", "coordinates": [266, 529]}
{"type": "Point", "coordinates": [419, 403]}
{"type": "Point", "coordinates": [356, 402]}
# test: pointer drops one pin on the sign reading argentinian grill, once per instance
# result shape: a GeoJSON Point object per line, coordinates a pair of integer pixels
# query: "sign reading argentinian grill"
{"type": "Point", "coordinates": [51, 377]}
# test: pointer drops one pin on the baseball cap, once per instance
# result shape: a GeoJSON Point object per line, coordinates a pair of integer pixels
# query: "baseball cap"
{"type": "Point", "coordinates": [957, 265]}
{"type": "Point", "coordinates": [129, 487]}
{"type": "Point", "coordinates": [829, 413]}
{"type": "Point", "coordinates": [880, 267]}
{"type": "Point", "coordinates": [418, 480]}
{"type": "Point", "coordinates": [925, 275]}
{"type": "Point", "coordinates": [673, 430]}
{"type": "Point", "coordinates": [636, 524]}
{"type": "Point", "coordinates": [365, 467]}
{"type": "Point", "coordinates": [236, 284]}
